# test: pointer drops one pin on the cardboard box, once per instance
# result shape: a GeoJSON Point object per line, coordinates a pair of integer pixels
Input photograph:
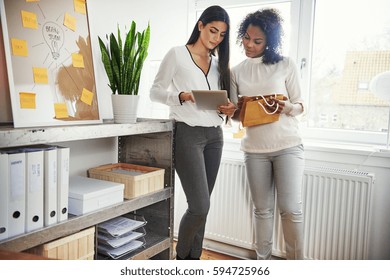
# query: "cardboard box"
{"type": "Point", "coordinates": [78, 246]}
{"type": "Point", "coordinates": [88, 194]}
{"type": "Point", "coordinates": [138, 179]}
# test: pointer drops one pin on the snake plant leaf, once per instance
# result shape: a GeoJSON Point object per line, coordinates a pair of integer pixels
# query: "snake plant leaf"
{"type": "Point", "coordinates": [125, 62]}
{"type": "Point", "coordinates": [130, 41]}
{"type": "Point", "coordinates": [107, 65]}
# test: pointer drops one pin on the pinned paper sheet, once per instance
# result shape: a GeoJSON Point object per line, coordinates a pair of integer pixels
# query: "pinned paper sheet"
{"type": "Point", "coordinates": [79, 6]}
{"type": "Point", "coordinates": [77, 60]}
{"type": "Point", "coordinates": [86, 96]}
{"type": "Point", "coordinates": [60, 110]}
{"type": "Point", "coordinates": [40, 76]}
{"type": "Point", "coordinates": [27, 100]}
{"type": "Point", "coordinates": [29, 20]}
{"type": "Point", "coordinates": [70, 22]}
{"type": "Point", "coordinates": [19, 47]}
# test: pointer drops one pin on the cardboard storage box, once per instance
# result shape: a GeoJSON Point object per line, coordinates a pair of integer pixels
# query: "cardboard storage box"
{"type": "Point", "coordinates": [138, 179]}
{"type": "Point", "coordinates": [78, 246]}
{"type": "Point", "coordinates": [88, 194]}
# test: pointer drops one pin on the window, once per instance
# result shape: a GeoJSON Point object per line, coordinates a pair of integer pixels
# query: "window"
{"type": "Point", "coordinates": [350, 44]}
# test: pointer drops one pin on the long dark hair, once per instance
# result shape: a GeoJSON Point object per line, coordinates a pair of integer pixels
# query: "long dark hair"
{"type": "Point", "coordinates": [217, 13]}
{"type": "Point", "coordinates": [270, 22]}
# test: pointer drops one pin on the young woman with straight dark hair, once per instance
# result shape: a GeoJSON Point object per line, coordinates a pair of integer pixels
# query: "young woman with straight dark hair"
{"type": "Point", "coordinates": [201, 64]}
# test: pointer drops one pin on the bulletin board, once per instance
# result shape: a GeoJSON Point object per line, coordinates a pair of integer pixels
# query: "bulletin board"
{"type": "Point", "coordinates": [49, 62]}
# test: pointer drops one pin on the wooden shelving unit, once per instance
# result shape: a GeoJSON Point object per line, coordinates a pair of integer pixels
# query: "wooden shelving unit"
{"type": "Point", "coordinates": [148, 142]}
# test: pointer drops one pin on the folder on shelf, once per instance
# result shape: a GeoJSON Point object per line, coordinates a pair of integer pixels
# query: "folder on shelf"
{"type": "Point", "coordinates": [34, 188]}
{"type": "Point", "coordinates": [50, 208]}
{"type": "Point", "coordinates": [17, 193]}
{"type": "Point", "coordinates": [4, 187]}
{"type": "Point", "coordinates": [63, 157]}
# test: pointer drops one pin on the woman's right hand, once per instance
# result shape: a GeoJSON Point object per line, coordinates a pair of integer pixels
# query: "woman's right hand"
{"type": "Point", "coordinates": [186, 96]}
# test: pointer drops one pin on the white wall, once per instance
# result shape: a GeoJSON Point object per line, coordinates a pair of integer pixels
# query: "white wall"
{"type": "Point", "coordinates": [168, 23]}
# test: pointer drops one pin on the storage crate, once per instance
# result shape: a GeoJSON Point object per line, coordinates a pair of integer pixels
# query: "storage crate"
{"type": "Point", "coordinates": [138, 179]}
{"type": "Point", "coordinates": [78, 246]}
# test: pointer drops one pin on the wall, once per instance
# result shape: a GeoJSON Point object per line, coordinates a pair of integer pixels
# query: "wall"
{"type": "Point", "coordinates": [168, 23]}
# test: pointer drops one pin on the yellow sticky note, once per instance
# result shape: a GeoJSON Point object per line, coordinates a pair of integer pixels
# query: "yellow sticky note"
{"type": "Point", "coordinates": [32, 1]}
{"type": "Point", "coordinates": [86, 96]}
{"type": "Point", "coordinates": [239, 134]}
{"type": "Point", "coordinates": [29, 20]}
{"type": "Point", "coordinates": [40, 75]}
{"type": "Point", "coordinates": [19, 47]}
{"type": "Point", "coordinates": [77, 60]}
{"type": "Point", "coordinates": [60, 110]}
{"type": "Point", "coordinates": [79, 6]}
{"type": "Point", "coordinates": [70, 22]}
{"type": "Point", "coordinates": [27, 100]}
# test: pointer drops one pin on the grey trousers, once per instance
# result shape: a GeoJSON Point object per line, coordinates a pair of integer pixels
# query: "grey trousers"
{"type": "Point", "coordinates": [280, 171]}
{"type": "Point", "coordinates": [198, 152]}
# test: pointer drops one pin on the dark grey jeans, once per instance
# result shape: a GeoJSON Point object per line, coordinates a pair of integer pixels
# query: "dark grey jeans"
{"type": "Point", "coordinates": [198, 152]}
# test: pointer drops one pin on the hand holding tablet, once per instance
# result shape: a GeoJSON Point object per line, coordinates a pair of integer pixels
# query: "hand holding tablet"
{"type": "Point", "coordinates": [210, 99]}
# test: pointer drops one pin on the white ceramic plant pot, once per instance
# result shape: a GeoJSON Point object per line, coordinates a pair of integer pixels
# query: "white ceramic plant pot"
{"type": "Point", "coordinates": [125, 108]}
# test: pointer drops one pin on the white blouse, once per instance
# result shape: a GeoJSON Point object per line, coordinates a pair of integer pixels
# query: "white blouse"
{"type": "Point", "coordinates": [178, 72]}
{"type": "Point", "coordinates": [253, 77]}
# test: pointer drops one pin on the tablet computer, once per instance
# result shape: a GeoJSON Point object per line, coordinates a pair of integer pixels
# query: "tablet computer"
{"type": "Point", "coordinates": [210, 99]}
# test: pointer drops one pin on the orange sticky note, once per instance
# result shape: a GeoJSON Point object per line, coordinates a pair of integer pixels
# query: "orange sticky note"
{"type": "Point", "coordinates": [32, 1]}
{"type": "Point", "coordinates": [79, 6]}
{"type": "Point", "coordinates": [19, 47]}
{"type": "Point", "coordinates": [86, 96]}
{"type": "Point", "coordinates": [29, 20]}
{"type": "Point", "coordinates": [70, 22]}
{"type": "Point", "coordinates": [60, 110]}
{"type": "Point", "coordinates": [40, 75]}
{"type": "Point", "coordinates": [27, 100]}
{"type": "Point", "coordinates": [77, 60]}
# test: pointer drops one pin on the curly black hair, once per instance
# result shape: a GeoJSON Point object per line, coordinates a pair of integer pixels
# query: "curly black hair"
{"type": "Point", "coordinates": [270, 22]}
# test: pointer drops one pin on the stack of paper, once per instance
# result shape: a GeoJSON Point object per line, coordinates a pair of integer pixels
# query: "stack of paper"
{"type": "Point", "coordinates": [120, 236]}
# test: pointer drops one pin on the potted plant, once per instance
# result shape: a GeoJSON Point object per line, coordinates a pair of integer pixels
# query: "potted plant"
{"type": "Point", "coordinates": [123, 65]}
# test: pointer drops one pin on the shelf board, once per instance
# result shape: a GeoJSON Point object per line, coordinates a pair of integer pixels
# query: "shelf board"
{"type": "Point", "coordinates": [13, 137]}
{"type": "Point", "coordinates": [77, 223]}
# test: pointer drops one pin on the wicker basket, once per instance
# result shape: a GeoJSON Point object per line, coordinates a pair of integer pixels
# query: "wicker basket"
{"type": "Point", "coordinates": [78, 246]}
{"type": "Point", "coordinates": [138, 179]}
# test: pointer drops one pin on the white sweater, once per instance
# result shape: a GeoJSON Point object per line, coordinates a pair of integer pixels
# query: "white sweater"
{"type": "Point", "coordinates": [253, 77]}
{"type": "Point", "coordinates": [178, 72]}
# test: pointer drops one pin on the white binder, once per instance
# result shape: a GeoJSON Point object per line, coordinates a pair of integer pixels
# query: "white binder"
{"type": "Point", "coordinates": [34, 189]}
{"type": "Point", "coordinates": [17, 193]}
{"type": "Point", "coordinates": [63, 156]}
{"type": "Point", "coordinates": [50, 186]}
{"type": "Point", "coordinates": [4, 188]}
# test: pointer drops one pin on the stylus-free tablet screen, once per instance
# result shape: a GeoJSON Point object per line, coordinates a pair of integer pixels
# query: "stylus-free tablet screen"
{"type": "Point", "coordinates": [210, 99]}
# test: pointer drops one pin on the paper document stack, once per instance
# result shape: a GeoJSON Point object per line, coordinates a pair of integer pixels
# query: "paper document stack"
{"type": "Point", "coordinates": [120, 236]}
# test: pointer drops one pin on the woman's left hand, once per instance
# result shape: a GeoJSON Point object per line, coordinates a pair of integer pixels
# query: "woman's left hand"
{"type": "Point", "coordinates": [228, 109]}
{"type": "Point", "coordinates": [285, 106]}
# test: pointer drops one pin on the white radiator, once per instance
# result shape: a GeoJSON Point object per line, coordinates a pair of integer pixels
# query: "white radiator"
{"type": "Point", "coordinates": [336, 205]}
